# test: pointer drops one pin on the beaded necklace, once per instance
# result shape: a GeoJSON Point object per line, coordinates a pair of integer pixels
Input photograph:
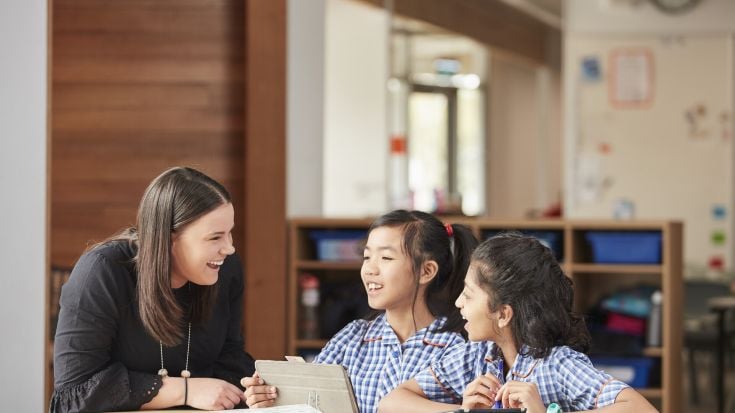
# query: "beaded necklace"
{"type": "Point", "coordinates": [185, 373]}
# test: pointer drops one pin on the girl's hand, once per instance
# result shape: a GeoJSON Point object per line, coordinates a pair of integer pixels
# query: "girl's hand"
{"type": "Point", "coordinates": [481, 392]}
{"type": "Point", "coordinates": [257, 393]}
{"type": "Point", "coordinates": [518, 394]}
{"type": "Point", "coordinates": [213, 394]}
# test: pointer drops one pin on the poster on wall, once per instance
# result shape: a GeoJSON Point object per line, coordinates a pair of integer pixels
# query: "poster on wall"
{"type": "Point", "coordinates": [631, 78]}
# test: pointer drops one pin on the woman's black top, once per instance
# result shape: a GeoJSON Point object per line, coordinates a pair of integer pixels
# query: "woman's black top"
{"type": "Point", "coordinates": [103, 358]}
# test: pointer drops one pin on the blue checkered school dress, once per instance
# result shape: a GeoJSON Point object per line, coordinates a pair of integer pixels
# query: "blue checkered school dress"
{"type": "Point", "coordinates": [377, 362]}
{"type": "Point", "coordinates": [565, 376]}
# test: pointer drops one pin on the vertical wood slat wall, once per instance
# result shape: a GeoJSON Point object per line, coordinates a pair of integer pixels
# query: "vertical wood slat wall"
{"type": "Point", "coordinates": [139, 86]}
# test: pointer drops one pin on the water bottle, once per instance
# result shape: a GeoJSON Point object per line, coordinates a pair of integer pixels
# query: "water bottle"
{"type": "Point", "coordinates": [653, 330]}
{"type": "Point", "coordinates": [309, 322]}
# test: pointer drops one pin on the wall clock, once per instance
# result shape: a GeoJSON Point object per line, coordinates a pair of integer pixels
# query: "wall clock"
{"type": "Point", "coordinates": [675, 6]}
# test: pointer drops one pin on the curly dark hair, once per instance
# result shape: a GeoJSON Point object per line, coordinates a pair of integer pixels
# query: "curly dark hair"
{"type": "Point", "coordinates": [519, 271]}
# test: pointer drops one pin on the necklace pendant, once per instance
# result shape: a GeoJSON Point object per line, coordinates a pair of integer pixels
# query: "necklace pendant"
{"type": "Point", "coordinates": [185, 373]}
{"type": "Point", "coordinates": [163, 373]}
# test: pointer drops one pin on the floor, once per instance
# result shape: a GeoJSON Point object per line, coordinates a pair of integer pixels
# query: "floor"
{"type": "Point", "coordinates": [706, 384]}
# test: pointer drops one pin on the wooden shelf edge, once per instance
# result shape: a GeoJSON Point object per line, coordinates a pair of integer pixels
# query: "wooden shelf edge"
{"type": "Point", "coordinates": [654, 269]}
{"type": "Point", "coordinates": [612, 225]}
{"type": "Point", "coordinates": [653, 351]}
{"type": "Point", "coordinates": [519, 224]}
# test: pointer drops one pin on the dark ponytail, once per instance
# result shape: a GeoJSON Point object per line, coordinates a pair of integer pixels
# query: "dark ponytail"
{"type": "Point", "coordinates": [449, 283]}
{"type": "Point", "coordinates": [426, 238]}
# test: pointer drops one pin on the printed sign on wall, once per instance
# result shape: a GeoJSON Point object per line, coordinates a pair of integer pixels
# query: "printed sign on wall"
{"type": "Point", "coordinates": [631, 78]}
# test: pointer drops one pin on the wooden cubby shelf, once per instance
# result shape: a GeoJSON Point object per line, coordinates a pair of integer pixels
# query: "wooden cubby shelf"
{"type": "Point", "coordinates": [568, 238]}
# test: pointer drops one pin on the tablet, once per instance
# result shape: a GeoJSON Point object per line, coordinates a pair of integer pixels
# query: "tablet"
{"type": "Point", "coordinates": [325, 387]}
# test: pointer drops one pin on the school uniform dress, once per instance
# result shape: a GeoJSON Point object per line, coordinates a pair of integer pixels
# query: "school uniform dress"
{"type": "Point", "coordinates": [103, 358]}
{"type": "Point", "coordinates": [565, 376]}
{"type": "Point", "coordinates": [377, 362]}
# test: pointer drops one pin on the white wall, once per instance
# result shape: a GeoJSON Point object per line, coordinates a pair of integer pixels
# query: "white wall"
{"type": "Point", "coordinates": [337, 141]}
{"type": "Point", "coordinates": [524, 163]}
{"type": "Point", "coordinates": [23, 47]}
{"type": "Point", "coordinates": [512, 148]}
{"type": "Point", "coordinates": [305, 107]}
{"type": "Point", "coordinates": [641, 17]}
{"type": "Point", "coordinates": [355, 134]}
{"type": "Point", "coordinates": [656, 159]}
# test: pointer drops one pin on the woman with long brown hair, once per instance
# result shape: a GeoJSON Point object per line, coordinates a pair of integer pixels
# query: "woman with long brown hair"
{"type": "Point", "coordinates": [159, 298]}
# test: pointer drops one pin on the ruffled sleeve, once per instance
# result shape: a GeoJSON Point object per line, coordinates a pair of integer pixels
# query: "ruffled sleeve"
{"type": "Point", "coordinates": [85, 376]}
{"type": "Point", "coordinates": [114, 388]}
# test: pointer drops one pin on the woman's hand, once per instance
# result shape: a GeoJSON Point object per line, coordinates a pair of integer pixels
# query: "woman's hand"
{"type": "Point", "coordinates": [518, 394]}
{"type": "Point", "coordinates": [257, 393]}
{"type": "Point", "coordinates": [213, 394]}
{"type": "Point", "coordinates": [481, 392]}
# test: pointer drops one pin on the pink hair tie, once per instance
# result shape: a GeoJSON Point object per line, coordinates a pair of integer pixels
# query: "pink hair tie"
{"type": "Point", "coordinates": [450, 230]}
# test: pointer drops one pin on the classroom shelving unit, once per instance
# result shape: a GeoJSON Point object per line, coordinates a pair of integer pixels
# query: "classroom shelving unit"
{"type": "Point", "coordinates": [591, 280]}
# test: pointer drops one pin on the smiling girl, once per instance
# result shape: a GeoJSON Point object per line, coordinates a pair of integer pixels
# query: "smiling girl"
{"type": "Point", "coordinates": [526, 347]}
{"type": "Point", "coordinates": [413, 269]}
{"type": "Point", "coordinates": [160, 298]}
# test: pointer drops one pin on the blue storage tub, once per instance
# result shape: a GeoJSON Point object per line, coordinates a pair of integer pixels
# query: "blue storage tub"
{"type": "Point", "coordinates": [551, 239]}
{"type": "Point", "coordinates": [635, 371]}
{"type": "Point", "coordinates": [631, 247]}
{"type": "Point", "coordinates": [338, 245]}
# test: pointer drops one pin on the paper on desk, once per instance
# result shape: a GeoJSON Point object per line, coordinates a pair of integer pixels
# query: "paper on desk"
{"type": "Point", "coordinates": [291, 408]}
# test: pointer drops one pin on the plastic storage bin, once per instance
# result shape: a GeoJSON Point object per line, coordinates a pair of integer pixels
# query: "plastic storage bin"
{"type": "Point", "coordinates": [635, 371]}
{"type": "Point", "coordinates": [552, 239]}
{"type": "Point", "coordinates": [639, 247]}
{"type": "Point", "coordinates": [337, 245]}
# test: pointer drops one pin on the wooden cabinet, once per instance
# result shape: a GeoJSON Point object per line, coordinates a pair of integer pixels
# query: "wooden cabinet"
{"type": "Point", "coordinates": [303, 259]}
{"type": "Point", "coordinates": [569, 240]}
{"type": "Point", "coordinates": [593, 280]}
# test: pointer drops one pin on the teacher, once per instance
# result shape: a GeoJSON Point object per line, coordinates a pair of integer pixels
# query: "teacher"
{"type": "Point", "coordinates": [150, 318]}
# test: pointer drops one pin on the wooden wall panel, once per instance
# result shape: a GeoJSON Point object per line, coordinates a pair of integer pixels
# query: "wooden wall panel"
{"type": "Point", "coordinates": [265, 186]}
{"type": "Point", "coordinates": [490, 22]}
{"type": "Point", "coordinates": [139, 86]}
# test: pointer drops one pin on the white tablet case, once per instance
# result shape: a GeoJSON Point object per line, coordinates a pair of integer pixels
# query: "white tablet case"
{"type": "Point", "coordinates": [326, 387]}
